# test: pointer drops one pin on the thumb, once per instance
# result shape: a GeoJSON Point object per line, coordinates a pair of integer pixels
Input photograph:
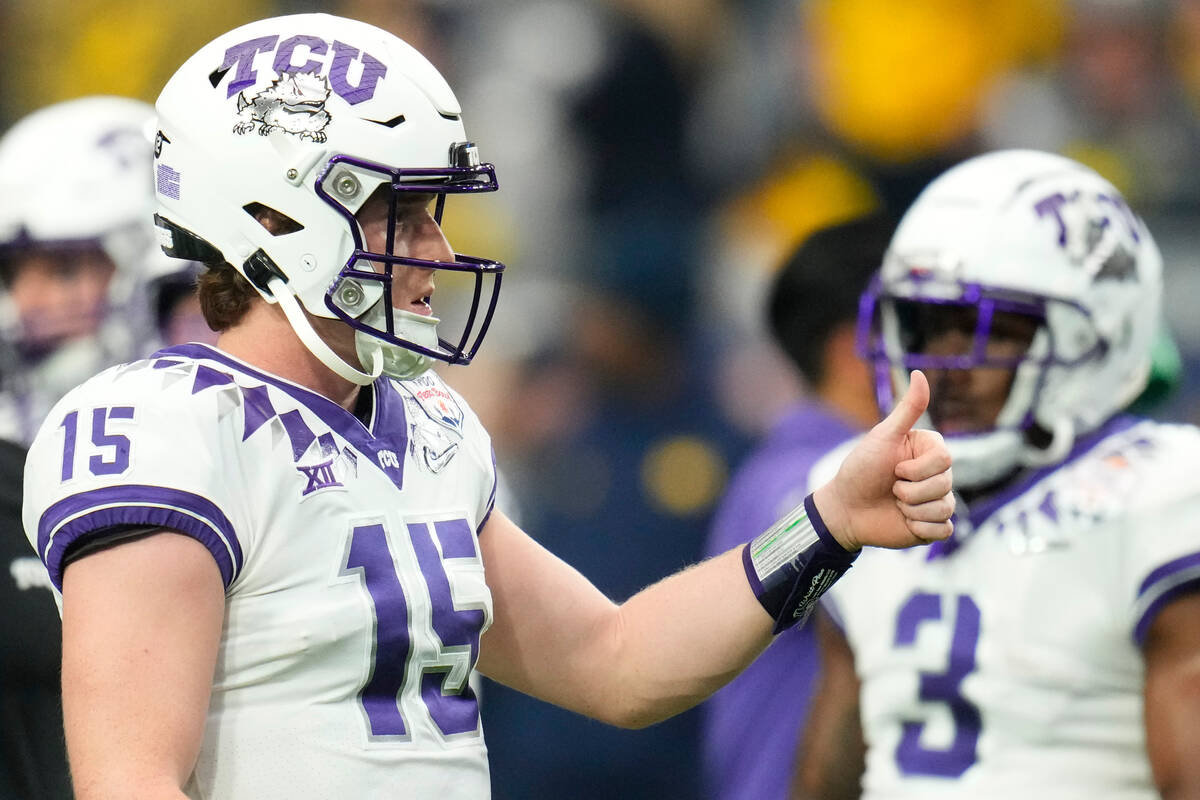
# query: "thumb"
{"type": "Point", "coordinates": [911, 406]}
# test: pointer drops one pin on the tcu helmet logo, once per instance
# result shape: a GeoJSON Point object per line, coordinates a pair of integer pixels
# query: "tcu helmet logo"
{"type": "Point", "coordinates": [1098, 231]}
{"type": "Point", "coordinates": [298, 55]}
{"type": "Point", "coordinates": [294, 103]}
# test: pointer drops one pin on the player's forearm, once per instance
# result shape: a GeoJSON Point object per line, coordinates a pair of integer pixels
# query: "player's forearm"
{"type": "Point", "coordinates": [132, 787]}
{"type": "Point", "coordinates": [676, 642]}
{"type": "Point", "coordinates": [556, 637]}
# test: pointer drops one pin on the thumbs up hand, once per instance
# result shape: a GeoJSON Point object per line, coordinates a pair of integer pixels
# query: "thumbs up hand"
{"type": "Point", "coordinates": [894, 488]}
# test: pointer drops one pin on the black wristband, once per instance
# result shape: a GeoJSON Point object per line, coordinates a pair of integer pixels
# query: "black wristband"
{"type": "Point", "coordinates": [792, 563]}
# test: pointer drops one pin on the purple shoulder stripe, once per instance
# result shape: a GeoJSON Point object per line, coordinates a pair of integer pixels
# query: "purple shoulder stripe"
{"type": "Point", "coordinates": [85, 515]}
{"type": "Point", "coordinates": [1162, 586]}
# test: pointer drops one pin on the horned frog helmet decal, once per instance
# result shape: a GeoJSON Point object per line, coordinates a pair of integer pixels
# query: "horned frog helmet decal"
{"type": "Point", "coordinates": [308, 115]}
{"type": "Point", "coordinates": [294, 103]}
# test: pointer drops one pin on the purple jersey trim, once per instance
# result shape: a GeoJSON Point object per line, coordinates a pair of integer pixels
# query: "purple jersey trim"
{"type": "Point", "coordinates": [822, 530]}
{"type": "Point", "coordinates": [1180, 575]}
{"type": "Point", "coordinates": [86, 515]}
{"type": "Point", "coordinates": [207, 377]}
{"type": "Point", "coordinates": [390, 427]}
{"type": "Point", "coordinates": [751, 573]}
{"type": "Point", "coordinates": [828, 542]}
{"type": "Point", "coordinates": [491, 501]}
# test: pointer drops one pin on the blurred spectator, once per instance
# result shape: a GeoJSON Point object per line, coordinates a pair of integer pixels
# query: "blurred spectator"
{"type": "Point", "coordinates": [609, 418]}
{"type": "Point", "coordinates": [752, 725]}
{"type": "Point", "coordinates": [904, 83]}
{"type": "Point", "coordinates": [1110, 101]}
{"type": "Point", "coordinates": [59, 49]}
{"type": "Point", "coordinates": [641, 449]}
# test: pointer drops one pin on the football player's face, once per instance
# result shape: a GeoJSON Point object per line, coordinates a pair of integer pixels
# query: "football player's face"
{"type": "Point", "coordinates": [417, 235]}
{"type": "Point", "coordinates": [60, 294]}
{"type": "Point", "coordinates": [970, 400]}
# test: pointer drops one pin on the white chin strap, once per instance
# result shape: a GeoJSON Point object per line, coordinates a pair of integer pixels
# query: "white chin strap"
{"type": "Point", "coordinates": [980, 459]}
{"type": "Point", "coordinates": [984, 458]}
{"type": "Point", "coordinates": [316, 345]}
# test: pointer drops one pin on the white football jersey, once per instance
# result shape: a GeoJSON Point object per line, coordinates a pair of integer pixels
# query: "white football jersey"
{"type": "Point", "coordinates": [1006, 663]}
{"type": "Point", "coordinates": [355, 593]}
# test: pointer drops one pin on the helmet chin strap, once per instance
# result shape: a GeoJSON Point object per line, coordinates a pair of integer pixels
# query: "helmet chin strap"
{"type": "Point", "coordinates": [1062, 439]}
{"type": "Point", "coordinates": [982, 459]}
{"type": "Point", "coordinates": [316, 345]}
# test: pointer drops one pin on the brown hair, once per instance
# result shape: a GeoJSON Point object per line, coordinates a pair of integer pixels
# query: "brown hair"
{"type": "Point", "coordinates": [225, 296]}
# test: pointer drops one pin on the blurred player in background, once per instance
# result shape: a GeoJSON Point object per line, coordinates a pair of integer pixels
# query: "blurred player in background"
{"type": "Point", "coordinates": [270, 553]}
{"type": "Point", "coordinates": [1051, 647]}
{"type": "Point", "coordinates": [77, 250]}
{"type": "Point", "coordinates": [751, 729]}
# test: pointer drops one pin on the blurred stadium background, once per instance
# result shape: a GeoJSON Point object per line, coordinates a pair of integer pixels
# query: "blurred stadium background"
{"type": "Point", "coordinates": [657, 159]}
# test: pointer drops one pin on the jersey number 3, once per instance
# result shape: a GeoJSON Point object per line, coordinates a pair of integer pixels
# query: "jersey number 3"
{"type": "Point", "coordinates": [912, 757]}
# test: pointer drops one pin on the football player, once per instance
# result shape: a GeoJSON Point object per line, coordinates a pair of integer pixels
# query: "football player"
{"type": "Point", "coordinates": [1051, 647]}
{"type": "Point", "coordinates": [279, 558]}
{"type": "Point", "coordinates": [77, 247]}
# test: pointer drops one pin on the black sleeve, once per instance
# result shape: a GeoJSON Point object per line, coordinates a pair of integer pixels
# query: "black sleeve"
{"type": "Point", "coordinates": [33, 760]}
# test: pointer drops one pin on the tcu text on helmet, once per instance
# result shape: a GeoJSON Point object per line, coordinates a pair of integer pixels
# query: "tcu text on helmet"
{"type": "Point", "coordinates": [297, 54]}
{"type": "Point", "coordinates": [1088, 233]}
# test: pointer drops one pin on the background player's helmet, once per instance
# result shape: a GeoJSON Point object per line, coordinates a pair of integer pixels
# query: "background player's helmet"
{"type": "Point", "coordinates": [1033, 234]}
{"type": "Point", "coordinates": [75, 187]}
{"type": "Point", "coordinates": [308, 115]}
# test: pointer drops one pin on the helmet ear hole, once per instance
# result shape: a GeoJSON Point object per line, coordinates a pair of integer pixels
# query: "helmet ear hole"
{"type": "Point", "coordinates": [274, 222]}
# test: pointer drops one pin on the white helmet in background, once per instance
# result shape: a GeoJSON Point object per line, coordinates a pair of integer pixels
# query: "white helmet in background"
{"type": "Point", "coordinates": [1031, 234]}
{"type": "Point", "coordinates": [307, 116]}
{"type": "Point", "coordinates": [76, 199]}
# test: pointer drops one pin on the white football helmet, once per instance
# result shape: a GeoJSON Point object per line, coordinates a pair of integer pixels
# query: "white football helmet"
{"type": "Point", "coordinates": [1036, 235]}
{"type": "Point", "coordinates": [74, 177]}
{"type": "Point", "coordinates": [308, 115]}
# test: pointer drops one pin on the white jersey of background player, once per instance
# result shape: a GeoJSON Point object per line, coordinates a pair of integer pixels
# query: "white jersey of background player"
{"type": "Point", "coordinates": [1034, 653]}
{"type": "Point", "coordinates": [271, 556]}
